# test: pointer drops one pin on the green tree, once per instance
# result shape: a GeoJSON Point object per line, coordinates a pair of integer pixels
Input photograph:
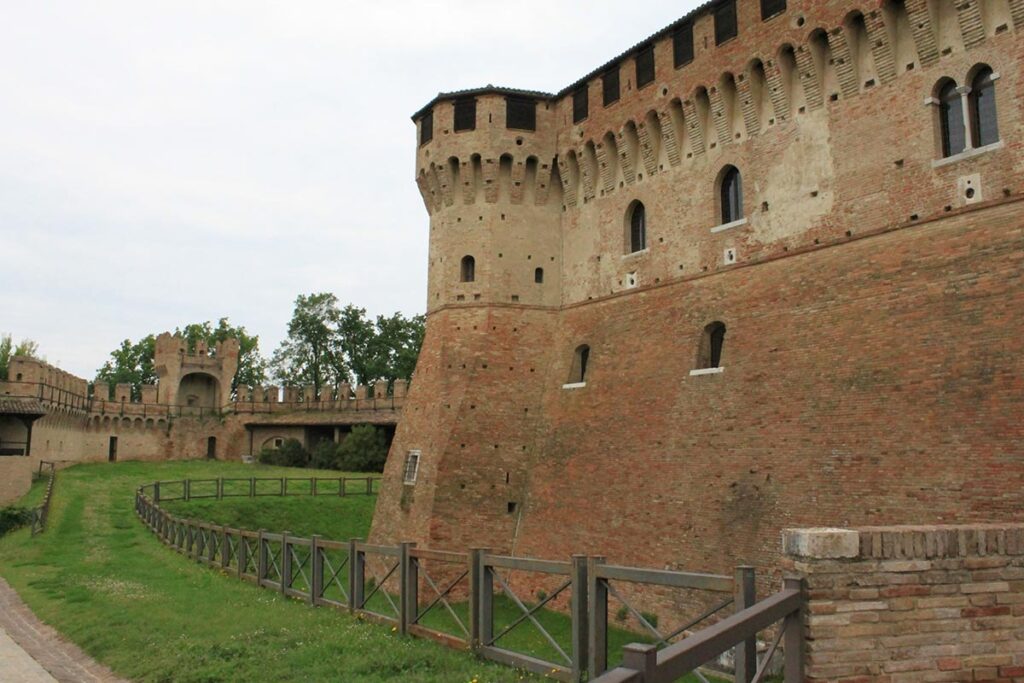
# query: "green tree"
{"type": "Point", "coordinates": [395, 347]}
{"type": "Point", "coordinates": [364, 450]}
{"type": "Point", "coordinates": [314, 350]}
{"type": "Point", "coordinates": [133, 362]}
{"type": "Point", "coordinates": [8, 349]}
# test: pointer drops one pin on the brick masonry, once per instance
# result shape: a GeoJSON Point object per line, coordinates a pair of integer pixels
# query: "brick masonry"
{"type": "Point", "coordinates": [929, 603]}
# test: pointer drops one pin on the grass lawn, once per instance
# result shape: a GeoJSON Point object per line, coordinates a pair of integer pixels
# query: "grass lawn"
{"type": "Point", "coordinates": [102, 579]}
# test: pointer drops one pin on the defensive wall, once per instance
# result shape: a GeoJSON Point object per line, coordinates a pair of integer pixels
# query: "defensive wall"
{"type": "Point", "coordinates": [192, 412]}
{"type": "Point", "coordinates": [869, 290]}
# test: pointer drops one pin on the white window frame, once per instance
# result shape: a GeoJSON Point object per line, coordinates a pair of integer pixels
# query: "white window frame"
{"type": "Point", "coordinates": [411, 458]}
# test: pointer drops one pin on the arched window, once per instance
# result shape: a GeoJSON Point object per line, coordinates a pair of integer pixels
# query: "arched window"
{"type": "Point", "coordinates": [982, 101]}
{"type": "Point", "coordinates": [951, 119]}
{"type": "Point", "coordinates": [710, 351]}
{"type": "Point", "coordinates": [637, 227]}
{"type": "Point", "coordinates": [731, 195]}
{"type": "Point", "coordinates": [578, 374]}
{"type": "Point", "coordinates": [538, 275]}
{"type": "Point", "coordinates": [468, 269]}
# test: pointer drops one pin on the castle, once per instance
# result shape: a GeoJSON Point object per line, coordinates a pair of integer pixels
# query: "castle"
{"type": "Point", "coordinates": [765, 269]}
{"type": "Point", "coordinates": [193, 411]}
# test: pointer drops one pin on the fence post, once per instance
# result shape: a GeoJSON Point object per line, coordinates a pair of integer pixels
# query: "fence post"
{"type": "Point", "coordinates": [286, 563]}
{"type": "Point", "coordinates": [641, 657]}
{"type": "Point", "coordinates": [408, 579]}
{"type": "Point", "coordinates": [252, 487]}
{"type": "Point", "coordinates": [220, 488]}
{"type": "Point", "coordinates": [597, 620]}
{"type": "Point", "coordinates": [316, 576]}
{"type": "Point", "coordinates": [578, 607]}
{"type": "Point", "coordinates": [369, 486]}
{"type": "Point", "coordinates": [225, 548]}
{"type": "Point", "coordinates": [355, 576]}
{"type": "Point", "coordinates": [212, 544]}
{"type": "Point", "coordinates": [474, 597]}
{"type": "Point", "coordinates": [261, 559]}
{"type": "Point", "coordinates": [344, 485]}
{"type": "Point", "coordinates": [156, 492]}
{"type": "Point", "coordinates": [283, 488]}
{"type": "Point", "coordinates": [313, 481]}
{"type": "Point", "coordinates": [793, 638]}
{"type": "Point", "coordinates": [744, 596]}
{"type": "Point", "coordinates": [486, 602]}
{"type": "Point", "coordinates": [188, 489]}
{"type": "Point", "coordinates": [241, 554]}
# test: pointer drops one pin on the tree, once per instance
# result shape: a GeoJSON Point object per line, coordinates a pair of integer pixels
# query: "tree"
{"type": "Point", "coordinates": [313, 352]}
{"type": "Point", "coordinates": [133, 362]}
{"type": "Point", "coordinates": [8, 349]}
{"type": "Point", "coordinates": [395, 347]}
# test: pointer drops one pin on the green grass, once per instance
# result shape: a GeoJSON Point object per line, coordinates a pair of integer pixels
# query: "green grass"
{"type": "Point", "coordinates": [103, 580]}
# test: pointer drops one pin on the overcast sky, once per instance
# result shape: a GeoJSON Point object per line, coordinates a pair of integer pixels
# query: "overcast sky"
{"type": "Point", "coordinates": [163, 163]}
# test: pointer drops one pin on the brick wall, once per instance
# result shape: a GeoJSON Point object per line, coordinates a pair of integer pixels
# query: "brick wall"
{"type": "Point", "coordinates": [895, 604]}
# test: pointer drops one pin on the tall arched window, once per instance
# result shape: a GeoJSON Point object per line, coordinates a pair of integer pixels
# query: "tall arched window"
{"type": "Point", "coordinates": [982, 101]}
{"type": "Point", "coordinates": [709, 355]}
{"type": "Point", "coordinates": [468, 269]}
{"type": "Point", "coordinates": [538, 275]}
{"type": "Point", "coordinates": [637, 227]}
{"type": "Point", "coordinates": [731, 195]}
{"type": "Point", "coordinates": [580, 359]}
{"type": "Point", "coordinates": [951, 119]}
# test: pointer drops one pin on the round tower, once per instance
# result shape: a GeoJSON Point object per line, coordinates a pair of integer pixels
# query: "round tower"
{"type": "Point", "coordinates": [485, 167]}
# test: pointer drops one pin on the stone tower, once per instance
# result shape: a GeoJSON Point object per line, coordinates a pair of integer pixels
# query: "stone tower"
{"type": "Point", "coordinates": [196, 377]}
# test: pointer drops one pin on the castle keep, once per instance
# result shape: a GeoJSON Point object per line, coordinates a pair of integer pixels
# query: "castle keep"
{"type": "Point", "coordinates": [763, 270]}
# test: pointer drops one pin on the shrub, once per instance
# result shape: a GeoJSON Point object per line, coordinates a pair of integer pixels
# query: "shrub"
{"type": "Point", "coordinates": [622, 613]}
{"type": "Point", "coordinates": [364, 450]}
{"type": "Point", "coordinates": [324, 456]}
{"type": "Point", "coordinates": [12, 517]}
{"type": "Point", "coordinates": [651, 618]}
{"type": "Point", "coordinates": [290, 454]}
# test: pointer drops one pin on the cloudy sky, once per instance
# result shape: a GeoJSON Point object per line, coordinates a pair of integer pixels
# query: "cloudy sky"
{"type": "Point", "coordinates": [163, 163]}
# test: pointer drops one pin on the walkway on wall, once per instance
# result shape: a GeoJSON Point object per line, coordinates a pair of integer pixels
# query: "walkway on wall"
{"type": "Point", "coordinates": [32, 652]}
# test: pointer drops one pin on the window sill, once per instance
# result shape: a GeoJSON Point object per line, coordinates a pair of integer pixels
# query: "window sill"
{"type": "Point", "coordinates": [574, 385]}
{"type": "Point", "coordinates": [706, 371]}
{"type": "Point", "coordinates": [728, 226]}
{"type": "Point", "coordinates": [968, 154]}
{"type": "Point", "coordinates": [636, 254]}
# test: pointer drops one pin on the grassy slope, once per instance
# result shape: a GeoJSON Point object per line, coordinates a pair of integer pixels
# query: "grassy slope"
{"type": "Point", "coordinates": [103, 580]}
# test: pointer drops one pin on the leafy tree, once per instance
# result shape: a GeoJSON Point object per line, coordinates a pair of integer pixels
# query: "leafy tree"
{"type": "Point", "coordinates": [133, 362]}
{"type": "Point", "coordinates": [8, 349]}
{"type": "Point", "coordinates": [313, 351]}
{"type": "Point", "coordinates": [290, 454]}
{"type": "Point", "coordinates": [364, 450]}
{"type": "Point", "coordinates": [395, 347]}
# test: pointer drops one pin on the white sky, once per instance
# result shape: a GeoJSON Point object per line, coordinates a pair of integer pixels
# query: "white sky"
{"type": "Point", "coordinates": [163, 163]}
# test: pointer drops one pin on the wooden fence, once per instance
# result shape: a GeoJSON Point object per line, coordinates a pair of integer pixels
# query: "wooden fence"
{"type": "Point", "coordinates": [451, 597]}
{"type": "Point", "coordinates": [41, 513]}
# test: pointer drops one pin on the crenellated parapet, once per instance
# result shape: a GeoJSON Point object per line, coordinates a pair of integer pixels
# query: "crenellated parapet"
{"type": "Point", "coordinates": [341, 397]}
{"type": "Point", "coordinates": [198, 376]}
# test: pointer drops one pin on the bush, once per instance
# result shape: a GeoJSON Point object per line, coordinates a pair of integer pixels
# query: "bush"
{"type": "Point", "coordinates": [364, 450]}
{"type": "Point", "coordinates": [290, 454]}
{"type": "Point", "coordinates": [12, 518]}
{"type": "Point", "coordinates": [324, 456]}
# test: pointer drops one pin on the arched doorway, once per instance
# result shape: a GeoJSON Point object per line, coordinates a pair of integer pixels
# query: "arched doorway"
{"type": "Point", "coordinates": [199, 390]}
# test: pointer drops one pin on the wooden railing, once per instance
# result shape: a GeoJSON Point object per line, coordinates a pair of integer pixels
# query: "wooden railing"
{"type": "Point", "coordinates": [41, 513]}
{"type": "Point", "coordinates": [452, 597]}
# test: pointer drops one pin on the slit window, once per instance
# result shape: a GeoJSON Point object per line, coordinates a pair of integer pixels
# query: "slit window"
{"type": "Point", "coordinates": [710, 353]}
{"type": "Point", "coordinates": [982, 99]}
{"type": "Point", "coordinates": [538, 275]}
{"type": "Point", "coordinates": [427, 127]}
{"type": "Point", "coordinates": [645, 66]}
{"type": "Point", "coordinates": [468, 269]}
{"type": "Point", "coordinates": [637, 228]}
{"type": "Point", "coordinates": [731, 195]}
{"type": "Point", "coordinates": [465, 114]}
{"type": "Point", "coordinates": [580, 360]}
{"type": "Point", "coordinates": [769, 8]}
{"type": "Point", "coordinates": [682, 45]}
{"type": "Point", "coordinates": [579, 104]}
{"type": "Point", "coordinates": [521, 113]}
{"type": "Point", "coordinates": [951, 120]}
{"type": "Point", "coordinates": [725, 21]}
{"type": "Point", "coordinates": [412, 467]}
{"type": "Point", "coordinates": [610, 85]}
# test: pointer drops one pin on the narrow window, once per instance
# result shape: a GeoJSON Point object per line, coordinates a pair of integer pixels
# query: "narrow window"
{"type": "Point", "coordinates": [710, 352]}
{"type": "Point", "coordinates": [725, 21]}
{"type": "Point", "coordinates": [468, 269]}
{"type": "Point", "coordinates": [538, 275]}
{"type": "Point", "coordinates": [984, 122]}
{"type": "Point", "coordinates": [682, 45]}
{"type": "Point", "coordinates": [427, 127]}
{"type": "Point", "coordinates": [521, 113]}
{"type": "Point", "coordinates": [579, 104]}
{"type": "Point", "coordinates": [465, 114]}
{"type": "Point", "coordinates": [412, 467]}
{"type": "Point", "coordinates": [769, 8]}
{"type": "Point", "coordinates": [578, 374]}
{"type": "Point", "coordinates": [731, 192]}
{"type": "Point", "coordinates": [610, 85]}
{"type": "Point", "coordinates": [645, 66]}
{"type": "Point", "coordinates": [951, 120]}
{"type": "Point", "coordinates": [637, 221]}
